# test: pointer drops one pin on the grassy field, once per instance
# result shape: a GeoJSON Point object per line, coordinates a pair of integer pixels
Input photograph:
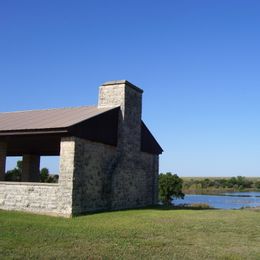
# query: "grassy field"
{"type": "Point", "coordinates": [134, 234]}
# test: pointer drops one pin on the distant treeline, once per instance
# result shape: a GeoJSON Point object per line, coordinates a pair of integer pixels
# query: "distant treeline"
{"type": "Point", "coordinates": [16, 174]}
{"type": "Point", "coordinates": [215, 185]}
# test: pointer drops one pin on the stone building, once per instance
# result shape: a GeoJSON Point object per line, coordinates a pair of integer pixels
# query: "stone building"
{"type": "Point", "coordinates": [108, 157]}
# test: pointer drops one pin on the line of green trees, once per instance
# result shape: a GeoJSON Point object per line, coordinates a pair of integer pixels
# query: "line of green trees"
{"type": "Point", "coordinates": [234, 183]}
{"type": "Point", "coordinates": [16, 173]}
{"type": "Point", "coordinates": [171, 186]}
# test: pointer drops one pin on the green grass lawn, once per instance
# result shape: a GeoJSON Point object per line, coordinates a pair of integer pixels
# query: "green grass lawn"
{"type": "Point", "coordinates": [133, 234]}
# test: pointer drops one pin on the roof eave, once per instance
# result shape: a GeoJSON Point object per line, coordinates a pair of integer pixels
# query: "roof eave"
{"type": "Point", "coordinates": [34, 132]}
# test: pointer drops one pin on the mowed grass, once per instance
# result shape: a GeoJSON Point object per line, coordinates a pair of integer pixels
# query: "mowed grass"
{"type": "Point", "coordinates": [134, 234]}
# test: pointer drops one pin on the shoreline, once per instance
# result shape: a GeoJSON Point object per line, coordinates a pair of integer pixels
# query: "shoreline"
{"type": "Point", "coordinates": [215, 191]}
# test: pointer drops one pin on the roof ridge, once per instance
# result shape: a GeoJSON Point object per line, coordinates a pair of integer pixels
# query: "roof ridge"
{"type": "Point", "coordinates": [47, 109]}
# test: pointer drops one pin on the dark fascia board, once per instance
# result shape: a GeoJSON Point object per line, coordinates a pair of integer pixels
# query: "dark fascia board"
{"type": "Point", "coordinates": [34, 132]}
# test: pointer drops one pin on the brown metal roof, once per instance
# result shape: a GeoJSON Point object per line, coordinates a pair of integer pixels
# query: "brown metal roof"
{"type": "Point", "coordinates": [47, 119]}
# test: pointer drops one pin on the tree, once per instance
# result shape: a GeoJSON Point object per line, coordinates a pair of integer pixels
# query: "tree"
{"type": "Point", "coordinates": [44, 174]}
{"type": "Point", "coordinates": [170, 186]}
{"type": "Point", "coordinates": [47, 177]}
{"type": "Point", "coordinates": [257, 184]}
{"type": "Point", "coordinates": [15, 174]}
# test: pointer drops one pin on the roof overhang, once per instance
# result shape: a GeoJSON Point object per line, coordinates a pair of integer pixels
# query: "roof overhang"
{"type": "Point", "coordinates": [33, 132]}
{"type": "Point", "coordinates": [97, 127]}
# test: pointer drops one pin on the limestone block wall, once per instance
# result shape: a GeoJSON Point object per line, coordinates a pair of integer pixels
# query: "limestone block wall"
{"type": "Point", "coordinates": [44, 198]}
{"type": "Point", "coordinates": [66, 178]}
{"type": "Point", "coordinates": [107, 179]}
{"type": "Point", "coordinates": [129, 98]}
{"type": "Point", "coordinates": [135, 181]}
{"type": "Point", "coordinates": [94, 163]}
{"type": "Point", "coordinates": [38, 198]}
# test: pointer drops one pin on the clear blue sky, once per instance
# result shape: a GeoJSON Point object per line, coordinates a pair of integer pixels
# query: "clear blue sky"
{"type": "Point", "coordinates": [197, 61]}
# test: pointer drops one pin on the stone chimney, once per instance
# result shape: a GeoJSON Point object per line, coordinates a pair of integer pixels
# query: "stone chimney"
{"type": "Point", "coordinates": [129, 97]}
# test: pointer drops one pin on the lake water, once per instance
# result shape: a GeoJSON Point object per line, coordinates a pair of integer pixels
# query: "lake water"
{"type": "Point", "coordinates": [234, 200]}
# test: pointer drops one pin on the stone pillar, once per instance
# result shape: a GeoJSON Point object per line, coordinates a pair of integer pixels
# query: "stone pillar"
{"type": "Point", "coordinates": [66, 178]}
{"type": "Point", "coordinates": [129, 97]}
{"type": "Point", "coordinates": [31, 168]}
{"type": "Point", "coordinates": [2, 160]}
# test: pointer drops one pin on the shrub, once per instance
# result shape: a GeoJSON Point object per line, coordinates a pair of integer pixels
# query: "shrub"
{"type": "Point", "coordinates": [170, 186]}
{"type": "Point", "coordinates": [200, 205]}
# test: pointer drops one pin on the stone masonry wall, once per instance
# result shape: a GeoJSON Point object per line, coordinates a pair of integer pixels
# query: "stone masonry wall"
{"type": "Point", "coordinates": [106, 179]}
{"type": "Point", "coordinates": [67, 161]}
{"type": "Point", "coordinates": [51, 199]}
{"type": "Point", "coordinates": [135, 181]}
{"type": "Point", "coordinates": [38, 198]}
{"type": "Point", "coordinates": [94, 163]}
{"type": "Point", "coordinates": [129, 99]}
{"type": "Point", "coordinates": [133, 177]}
